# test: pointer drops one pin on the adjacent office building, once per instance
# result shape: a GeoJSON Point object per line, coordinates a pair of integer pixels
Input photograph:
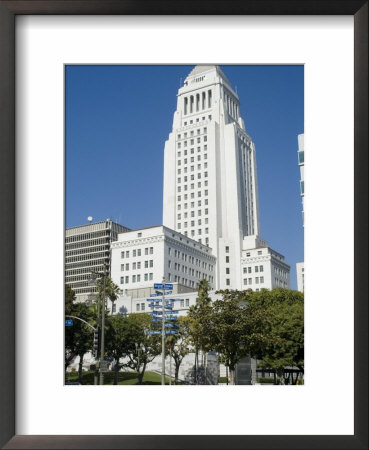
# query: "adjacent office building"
{"type": "Point", "coordinates": [87, 250]}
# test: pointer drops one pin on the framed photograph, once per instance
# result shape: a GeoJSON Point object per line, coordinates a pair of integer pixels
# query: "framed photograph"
{"type": "Point", "coordinates": [38, 40]}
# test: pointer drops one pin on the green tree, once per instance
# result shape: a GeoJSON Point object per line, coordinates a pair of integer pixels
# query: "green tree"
{"type": "Point", "coordinates": [126, 338]}
{"type": "Point", "coordinates": [199, 324]}
{"type": "Point", "coordinates": [276, 332]}
{"type": "Point", "coordinates": [148, 346]}
{"type": "Point", "coordinates": [116, 341]}
{"type": "Point", "coordinates": [177, 345]}
{"type": "Point", "coordinates": [106, 288]}
{"type": "Point", "coordinates": [228, 319]}
{"type": "Point", "coordinates": [79, 336]}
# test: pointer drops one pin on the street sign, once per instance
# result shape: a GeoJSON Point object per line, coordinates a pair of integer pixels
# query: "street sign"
{"type": "Point", "coordinates": [169, 293]}
{"type": "Point", "coordinates": [68, 322]}
{"type": "Point", "coordinates": [154, 295]}
{"type": "Point", "coordinates": [104, 366]}
{"type": "Point", "coordinates": [171, 332]}
{"type": "Point", "coordinates": [163, 286]}
{"type": "Point", "coordinates": [153, 332]}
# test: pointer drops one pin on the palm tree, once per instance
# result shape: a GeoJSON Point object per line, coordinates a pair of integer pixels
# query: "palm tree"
{"type": "Point", "coordinates": [112, 291]}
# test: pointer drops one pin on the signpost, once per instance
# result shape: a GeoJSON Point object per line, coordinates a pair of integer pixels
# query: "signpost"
{"type": "Point", "coordinates": [165, 317]}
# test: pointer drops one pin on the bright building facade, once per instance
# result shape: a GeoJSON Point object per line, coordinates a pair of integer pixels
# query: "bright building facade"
{"type": "Point", "coordinates": [301, 161]}
{"type": "Point", "coordinates": [210, 177]}
{"type": "Point", "coordinates": [143, 257]}
{"type": "Point", "coordinates": [87, 249]}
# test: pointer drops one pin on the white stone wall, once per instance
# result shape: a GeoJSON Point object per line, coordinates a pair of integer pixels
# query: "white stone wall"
{"type": "Point", "coordinates": [209, 142]}
{"type": "Point", "coordinates": [143, 257]}
{"type": "Point", "coordinates": [300, 271]}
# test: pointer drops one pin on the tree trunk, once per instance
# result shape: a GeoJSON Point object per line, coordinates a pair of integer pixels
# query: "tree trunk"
{"type": "Point", "coordinates": [141, 374]}
{"type": "Point", "coordinates": [176, 372]}
{"type": "Point", "coordinates": [116, 372]}
{"type": "Point", "coordinates": [227, 374]}
{"type": "Point", "coordinates": [205, 360]}
{"type": "Point", "coordinates": [232, 375]}
{"type": "Point", "coordinates": [196, 364]}
{"type": "Point", "coordinates": [80, 367]}
{"type": "Point", "coordinates": [280, 375]}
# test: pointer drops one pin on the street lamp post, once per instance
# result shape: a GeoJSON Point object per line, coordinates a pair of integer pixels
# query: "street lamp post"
{"type": "Point", "coordinates": [101, 308]}
{"type": "Point", "coordinates": [91, 281]}
{"type": "Point", "coordinates": [102, 353]}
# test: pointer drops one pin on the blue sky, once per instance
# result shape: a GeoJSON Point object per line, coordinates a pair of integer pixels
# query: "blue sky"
{"type": "Point", "coordinates": [117, 121]}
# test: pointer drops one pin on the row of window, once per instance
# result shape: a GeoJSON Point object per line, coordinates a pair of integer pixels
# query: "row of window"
{"type": "Point", "coordinates": [280, 283]}
{"type": "Point", "coordinates": [85, 267]}
{"type": "Point", "coordinates": [192, 142]}
{"type": "Point", "coordinates": [136, 278]}
{"type": "Point", "coordinates": [191, 283]}
{"type": "Point", "coordinates": [191, 259]}
{"type": "Point", "coordinates": [192, 158]}
{"type": "Point", "coordinates": [192, 235]}
{"type": "Point", "coordinates": [280, 272]}
{"type": "Point", "coordinates": [71, 259]}
{"type": "Point", "coordinates": [260, 252]}
{"type": "Point", "coordinates": [137, 265]}
{"type": "Point", "coordinates": [188, 270]}
{"type": "Point", "coordinates": [191, 133]}
{"type": "Point", "coordinates": [197, 120]}
{"type": "Point", "coordinates": [248, 281]}
{"type": "Point", "coordinates": [86, 236]}
{"type": "Point", "coordinates": [192, 205]}
{"type": "Point", "coordinates": [256, 269]}
{"type": "Point", "coordinates": [89, 243]}
{"type": "Point", "coordinates": [92, 249]}
{"type": "Point", "coordinates": [137, 252]}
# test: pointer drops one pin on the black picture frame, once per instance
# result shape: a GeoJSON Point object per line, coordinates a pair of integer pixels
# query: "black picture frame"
{"type": "Point", "coordinates": [8, 12]}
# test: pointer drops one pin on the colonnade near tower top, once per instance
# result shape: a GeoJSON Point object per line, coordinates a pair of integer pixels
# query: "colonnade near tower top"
{"type": "Point", "coordinates": [197, 102]}
{"type": "Point", "coordinates": [203, 100]}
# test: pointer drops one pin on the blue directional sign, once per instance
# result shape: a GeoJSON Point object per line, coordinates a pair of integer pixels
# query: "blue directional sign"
{"type": "Point", "coordinates": [169, 293]}
{"type": "Point", "coordinates": [68, 322]}
{"type": "Point", "coordinates": [154, 295]}
{"type": "Point", "coordinates": [153, 332]}
{"type": "Point", "coordinates": [163, 286]}
{"type": "Point", "coordinates": [171, 332]}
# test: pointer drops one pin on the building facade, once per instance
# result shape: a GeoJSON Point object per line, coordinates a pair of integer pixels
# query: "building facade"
{"type": "Point", "coordinates": [87, 249]}
{"type": "Point", "coordinates": [210, 189]}
{"type": "Point", "coordinates": [143, 257]}
{"type": "Point", "coordinates": [300, 268]}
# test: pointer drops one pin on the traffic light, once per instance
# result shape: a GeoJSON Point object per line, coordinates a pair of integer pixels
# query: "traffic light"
{"type": "Point", "coordinates": [96, 343]}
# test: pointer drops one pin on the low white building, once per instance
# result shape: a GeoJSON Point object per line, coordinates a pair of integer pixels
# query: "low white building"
{"type": "Point", "coordinates": [143, 257]}
{"type": "Point", "coordinates": [262, 267]}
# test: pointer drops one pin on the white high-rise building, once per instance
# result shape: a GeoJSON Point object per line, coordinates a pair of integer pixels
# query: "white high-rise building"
{"type": "Point", "coordinates": [210, 177]}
